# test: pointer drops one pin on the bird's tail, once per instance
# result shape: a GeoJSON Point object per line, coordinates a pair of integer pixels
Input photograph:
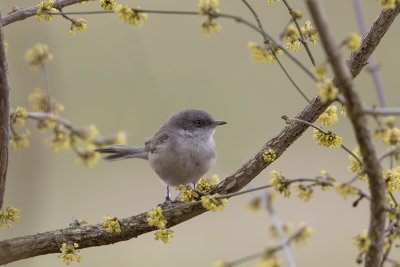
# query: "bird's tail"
{"type": "Point", "coordinates": [117, 152]}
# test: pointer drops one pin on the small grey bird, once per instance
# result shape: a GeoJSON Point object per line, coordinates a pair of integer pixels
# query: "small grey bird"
{"type": "Point", "coordinates": [181, 152]}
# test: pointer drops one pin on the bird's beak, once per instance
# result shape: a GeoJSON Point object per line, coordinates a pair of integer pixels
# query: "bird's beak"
{"type": "Point", "coordinates": [217, 123]}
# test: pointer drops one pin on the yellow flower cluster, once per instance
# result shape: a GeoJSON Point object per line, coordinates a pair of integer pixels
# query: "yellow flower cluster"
{"type": "Point", "coordinates": [329, 116]}
{"type": "Point", "coordinates": [304, 192]}
{"type": "Point", "coordinates": [213, 203]}
{"type": "Point", "coordinates": [303, 235]}
{"type": "Point", "coordinates": [292, 38]}
{"type": "Point", "coordinates": [203, 185]}
{"type": "Point", "coordinates": [309, 32]}
{"type": "Point", "coordinates": [279, 183]}
{"type": "Point", "coordinates": [131, 16]}
{"type": "Point", "coordinates": [8, 214]}
{"type": "Point", "coordinates": [392, 179]}
{"type": "Point", "coordinates": [388, 3]}
{"type": "Point", "coordinates": [156, 218]}
{"type": "Point", "coordinates": [391, 136]}
{"type": "Point", "coordinates": [269, 155]}
{"type": "Point", "coordinates": [78, 25]}
{"type": "Point", "coordinates": [208, 6]}
{"type": "Point", "coordinates": [325, 177]}
{"type": "Point", "coordinates": [208, 25]}
{"type": "Point", "coordinates": [89, 156]}
{"type": "Point", "coordinates": [270, 262]}
{"type": "Point", "coordinates": [38, 55]}
{"type": "Point", "coordinates": [107, 4]}
{"type": "Point", "coordinates": [187, 194]}
{"type": "Point", "coordinates": [362, 241]}
{"type": "Point", "coordinates": [262, 53]}
{"type": "Point", "coordinates": [395, 208]}
{"type": "Point", "coordinates": [353, 42]}
{"type": "Point", "coordinates": [69, 253]}
{"type": "Point", "coordinates": [164, 235]}
{"type": "Point", "coordinates": [111, 224]}
{"type": "Point", "coordinates": [38, 101]}
{"type": "Point", "coordinates": [61, 139]}
{"type": "Point", "coordinates": [272, 1]}
{"type": "Point", "coordinates": [19, 141]}
{"type": "Point", "coordinates": [329, 140]}
{"type": "Point", "coordinates": [287, 229]}
{"type": "Point", "coordinates": [345, 190]}
{"type": "Point", "coordinates": [327, 91]}
{"type": "Point", "coordinates": [355, 165]}
{"type": "Point", "coordinates": [320, 70]}
{"type": "Point", "coordinates": [19, 116]}
{"type": "Point", "coordinates": [42, 10]}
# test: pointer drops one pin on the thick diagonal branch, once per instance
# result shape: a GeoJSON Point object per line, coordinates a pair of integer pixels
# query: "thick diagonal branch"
{"type": "Point", "coordinates": [371, 164]}
{"type": "Point", "coordinates": [4, 116]}
{"type": "Point", "coordinates": [94, 235]}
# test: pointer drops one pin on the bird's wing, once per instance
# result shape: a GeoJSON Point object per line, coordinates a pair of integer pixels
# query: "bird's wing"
{"type": "Point", "coordinates": [160, 137]}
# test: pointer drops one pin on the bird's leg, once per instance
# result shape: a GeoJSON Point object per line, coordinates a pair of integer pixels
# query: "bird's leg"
{"type": "Point", "coordinates": [167, 196]}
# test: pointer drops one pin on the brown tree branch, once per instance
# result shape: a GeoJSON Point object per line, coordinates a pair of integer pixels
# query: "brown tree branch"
{"type": "Point", "coordinates": [21, 14]}
{"type": "Point", "coordinates": [95, 235]}
{"type": "Point", "coordinates": [371, 164]}
{"type": "Point", "coordinates": [4, 116]}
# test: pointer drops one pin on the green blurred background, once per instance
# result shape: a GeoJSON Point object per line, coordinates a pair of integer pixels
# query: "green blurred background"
{"type": "Point", "coordinates": [133, 78]}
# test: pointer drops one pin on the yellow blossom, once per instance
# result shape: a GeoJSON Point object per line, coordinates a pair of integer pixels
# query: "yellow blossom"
{"type": "Point", "coordinates": [88, 156]}
{"type": "Point", "coordinates": [320, 70]}
{"type": "Point", "coordinates": [355, 166]}
{"type": "Point", "coordinates": [325, 178]}
{"type": "Point", "coordinates": [395, 208]}
{"type": "Point", "coordinates": [309, 32]}
{"type": "Point", "coordinates": [208, 25]}
{"type": "Point", "coordinates": [222, 264]}
{"type": "Point", "coordinates": [164, 235]}
{"type": "Point", "coordinates": [362, 241]}
{"type": "Point", "coordinates": [303, 235]}
{"type": "Point", "coordinates": [279, 183]}
{"type": "Point", "coordinates": [42, 9]}
{"type": "Point", "coordinates": [392, 136]}
{"type": "Point", "coordinates": [108, 4]}
{"type": "Point", "coordinates": [61, 139]}
{"type": "Point", "coordinates": [343, 110]}
{"type": "Point", "coordinates": [38, 101]}
{"type": "Point", "coordinates": [270, 262]}
{"type": "Point", "coordinates": [287, 229]}
{"type": "Point", "coordinates": [304, 192]}
{"type": "Point", "coordinates": [203, 185]}
{"type": "Point", "coordinates": [272, 1]}
{"type": "Point", "coordinates": [187, 194]}
{"type": "Point", "coordinates": [329, 116]}
{"type": "Point", "coordinates": [5, 46]}
{"type": "Point", "coordinates": [329, 140]}
{"type": "Point", "coordinates": [19, 141]}
{"type": "Point", "coordinates": [327, 91]}
{"type": "Point", "coordinates": [46, 123]}
{"type": "Point", "coordinates": [111, 224]}
{"type": "Point", "coordinates": [269, 155]}
{"type": "Point", "coordinates": [120, 138]}
{"type": "Point", "coordinates": [78, 25]}
{"type": "Point", "coordinates": [88, 133]}
{"type": "Point", "coordinates": [69, 253]}
{"type": "Point", "coordinates": [392, 179]}
{"type": "Point", "coordinates": [388, 3]}
{"type": "Point", "coordinates": [213, 203]}
{"type": "Point", "coordinates": [345, 190]}
{"type": "Point", "coordinates": [216, 179]}
{"type": "Point", "coordinates": [292, 38]}
{"type": "Point", "coordinates": [156, 218]}
{"type": "Point", "coordinates": [255, 205]}
{"type": "Point", "coordinates": [37, 55]}
{"type": "Point", "coordinates": [18, 116]}
{"type": "Point", "coordinates": [261, 53]}
{"type": "Point", "coordinates": [389, 121]}
{"type": "Point", "coordinates": [131, 16]}
{"type": "Point", "coordinates": [353, 42]}
{"type": "Point", "coordinates": [208, 6]}
{"type": "Point", "coordinates": [8, 214]}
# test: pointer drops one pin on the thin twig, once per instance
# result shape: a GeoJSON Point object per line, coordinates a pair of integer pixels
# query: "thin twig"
{"type": "Point", "coordinates": [46, 86]}
{"type": "Point", "coordinates": [373, 67]}
{"type": "Point", "coordinates": [382, 111]}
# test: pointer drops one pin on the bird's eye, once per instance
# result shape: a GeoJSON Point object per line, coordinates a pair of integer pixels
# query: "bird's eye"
{"type": "Point", "coordinates": [198, 122]}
